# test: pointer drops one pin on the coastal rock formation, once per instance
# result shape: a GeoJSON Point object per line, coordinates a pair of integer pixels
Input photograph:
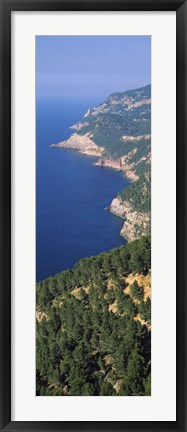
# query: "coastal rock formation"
{"type": "Point", "coordinates": [117, 165]}
{"type": "Point", "coordinates": [118, 207]}
{"type": "Point", "coordinates": [82, 143]}
{"type": "Point", "coordinates": [120, 164]}
{"type": "Point", "coordinates": [136, 223]}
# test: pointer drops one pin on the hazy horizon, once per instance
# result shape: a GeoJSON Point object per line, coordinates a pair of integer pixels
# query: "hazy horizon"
{"type": "Point", "coordinates": [91, 66]}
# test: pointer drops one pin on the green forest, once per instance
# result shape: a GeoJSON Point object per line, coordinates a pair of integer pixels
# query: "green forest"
{"type": "Point", "coordinates": [93, 326]}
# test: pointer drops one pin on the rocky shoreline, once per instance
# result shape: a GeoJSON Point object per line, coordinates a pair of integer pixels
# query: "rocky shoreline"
{"type": "Point", "coordinates": [85, 145]}
{"type": "Point", "coordinates": [135, 224]}
{"type": "Point", "coordinates": [119, 165]}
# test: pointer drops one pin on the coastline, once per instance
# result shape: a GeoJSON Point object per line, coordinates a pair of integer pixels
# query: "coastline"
{"type": "Point", "coordinates": [85, 145]}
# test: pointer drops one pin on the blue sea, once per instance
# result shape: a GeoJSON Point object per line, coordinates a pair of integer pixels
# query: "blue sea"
{"type": "Point", "coordinates": [72, 193]}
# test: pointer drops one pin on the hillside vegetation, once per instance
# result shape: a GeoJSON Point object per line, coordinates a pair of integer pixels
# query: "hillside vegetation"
{"type": "Point", "coordinates": [139, 194]}
{"type": "Point", "coordinates": [122, 125]}
{"type": "Point", "coordinates": [93, 326]}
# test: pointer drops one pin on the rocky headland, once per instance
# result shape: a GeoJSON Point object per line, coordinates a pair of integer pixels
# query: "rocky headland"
{"type": "Point", "coordinates": [83, 143]}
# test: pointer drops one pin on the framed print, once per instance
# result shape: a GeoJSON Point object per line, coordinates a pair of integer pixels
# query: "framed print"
{"type": "Point", "coordinates": [93, 215]}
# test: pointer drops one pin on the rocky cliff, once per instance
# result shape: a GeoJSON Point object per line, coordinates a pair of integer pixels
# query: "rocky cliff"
{"type": "Point", "coordinates": [136, 223]}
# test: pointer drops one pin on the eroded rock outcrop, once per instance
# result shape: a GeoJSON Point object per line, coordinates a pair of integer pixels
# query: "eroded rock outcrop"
{"type": "Point", "coordinates": [136, 223]}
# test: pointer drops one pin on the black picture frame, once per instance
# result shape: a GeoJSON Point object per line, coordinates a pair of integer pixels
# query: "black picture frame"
{"type": "Point", "coordinates": [6, 7]}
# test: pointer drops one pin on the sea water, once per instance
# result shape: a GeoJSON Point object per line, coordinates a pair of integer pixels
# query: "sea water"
{"type": "Point", "coordinates": [71, 193]}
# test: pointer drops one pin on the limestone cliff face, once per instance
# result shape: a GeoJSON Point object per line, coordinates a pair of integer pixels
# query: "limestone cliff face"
{"type": "Point", "coordinates": [136, 223]}
{"type": "Point", "coordinates": [118, 208]}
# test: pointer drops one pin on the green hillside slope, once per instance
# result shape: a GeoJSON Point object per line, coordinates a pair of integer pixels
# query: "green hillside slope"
{"type": "Point", "coordinates": [93, 326]}
{"type": "Point", "coordinates": [122, 125]}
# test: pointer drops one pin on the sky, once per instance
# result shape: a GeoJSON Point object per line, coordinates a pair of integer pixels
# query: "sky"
{"type": "Point", "coordinates": [91, 66]}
